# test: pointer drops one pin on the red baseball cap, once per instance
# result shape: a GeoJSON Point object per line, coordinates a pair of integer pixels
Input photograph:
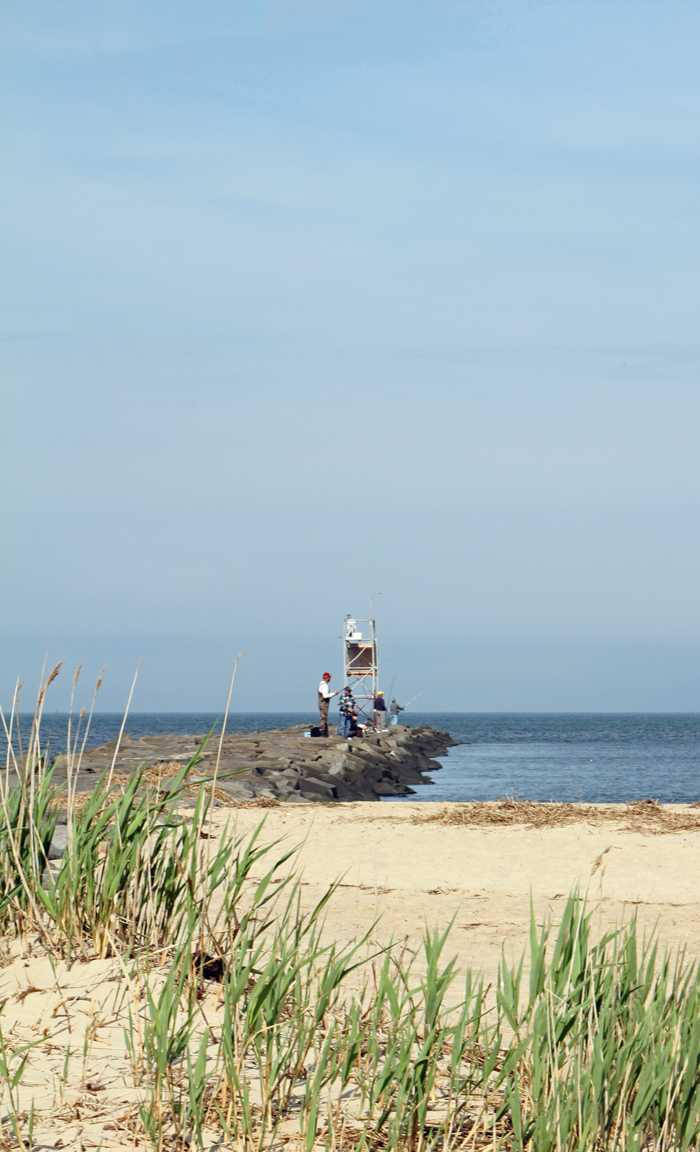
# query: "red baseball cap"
{"type": "Point", "coordinates": [326, 675]}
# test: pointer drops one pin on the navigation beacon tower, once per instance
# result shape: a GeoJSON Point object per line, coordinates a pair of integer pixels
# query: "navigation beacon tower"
{"type": "Point", "coordinates": [360, 663]}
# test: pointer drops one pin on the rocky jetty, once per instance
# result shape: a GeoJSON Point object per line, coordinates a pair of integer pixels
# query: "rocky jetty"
{"type": "Point", "coordinates": [282, 765]}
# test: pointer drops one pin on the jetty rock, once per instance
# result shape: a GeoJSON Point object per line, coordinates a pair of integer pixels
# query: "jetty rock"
{"type": "Point", "coordinates": [283, 764]}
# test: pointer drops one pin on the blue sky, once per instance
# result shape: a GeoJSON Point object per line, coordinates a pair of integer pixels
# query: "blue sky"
{"type": "Point", "coordinates": [308, 301]}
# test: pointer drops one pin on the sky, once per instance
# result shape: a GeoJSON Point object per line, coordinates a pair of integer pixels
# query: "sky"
{"type": "Point", "coordinates": [308, 301]}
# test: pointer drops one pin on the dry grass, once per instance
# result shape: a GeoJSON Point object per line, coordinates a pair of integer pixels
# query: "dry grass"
{"type": "Point", "coordinates": [261, 802]}
{"type": "Point", "coordinates": [155, 777]}
{"type": "Point", "coordinates": [642, 816]}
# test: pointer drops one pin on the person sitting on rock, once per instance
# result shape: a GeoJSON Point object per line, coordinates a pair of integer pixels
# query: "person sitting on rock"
{"type": "Point", "coordinates": [348, 713]}
{"type": "Point", "coordinates": [356, 729]}
{"type": "Point", "coordinates": [380, 711]}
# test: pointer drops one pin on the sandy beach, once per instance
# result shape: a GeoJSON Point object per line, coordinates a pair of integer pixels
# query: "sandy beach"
{"type": "Point", "coordinates": [399, 867]}
{"type": "Point", "coordinates": [400, 864]}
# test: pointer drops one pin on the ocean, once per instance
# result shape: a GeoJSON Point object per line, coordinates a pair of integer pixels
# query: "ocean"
{"type": "Point", "coordinates": [597, 758]}
{"type": "Point", "coordinates": [604, 757]}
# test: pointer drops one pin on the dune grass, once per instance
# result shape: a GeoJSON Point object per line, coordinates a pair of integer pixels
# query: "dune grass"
{"type": "Point", "coordinates": [317, 1045]}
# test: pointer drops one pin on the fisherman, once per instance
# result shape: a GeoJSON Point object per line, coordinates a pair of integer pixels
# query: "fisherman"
{"type": "Point", "coordinates": [348, 713]}
{"type": "Point", "coordinates": [380, 711]}
{"type": "Point", "coordinates": [395, 708]}
{"type": "Point", "coordinates": [324, 698]}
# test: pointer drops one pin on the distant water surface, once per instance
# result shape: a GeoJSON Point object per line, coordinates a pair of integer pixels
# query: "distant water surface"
{"type": "Point", "coordinates": [105, 725]}
{"type": "Point", "coordinates": [602, 757]}
{"type": "Point", "coordinates": [595, 757]}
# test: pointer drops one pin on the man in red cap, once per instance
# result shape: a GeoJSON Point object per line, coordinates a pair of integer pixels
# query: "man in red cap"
{"type": "Point", "coordinates": [324, 698]}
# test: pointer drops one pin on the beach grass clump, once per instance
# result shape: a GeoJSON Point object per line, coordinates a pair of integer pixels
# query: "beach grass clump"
{"type": "Point", "coordinates": [246, 1027]}
{"type": "Point", "coordinates": [608, 1041]}
{"type": "Point", "coordinates": [599, 1049]}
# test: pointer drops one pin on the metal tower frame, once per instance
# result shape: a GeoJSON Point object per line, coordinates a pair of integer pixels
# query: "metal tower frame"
{"type": "Point", "coordinates": [361, 664]}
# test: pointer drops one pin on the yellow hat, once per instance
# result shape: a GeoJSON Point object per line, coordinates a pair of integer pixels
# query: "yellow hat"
{"type": "Point", "coordinates": [380, 693]}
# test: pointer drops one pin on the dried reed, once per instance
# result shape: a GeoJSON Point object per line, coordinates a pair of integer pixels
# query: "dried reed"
{"type": "Point", "coordinates": [640, 816]}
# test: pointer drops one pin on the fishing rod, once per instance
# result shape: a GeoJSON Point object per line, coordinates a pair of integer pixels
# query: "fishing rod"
{"type": "Point", "coordinates": [416, 697]}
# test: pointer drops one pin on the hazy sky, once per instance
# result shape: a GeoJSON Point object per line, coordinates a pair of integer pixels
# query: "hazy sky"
{"type": "Point", "coordinates": [308, 301]}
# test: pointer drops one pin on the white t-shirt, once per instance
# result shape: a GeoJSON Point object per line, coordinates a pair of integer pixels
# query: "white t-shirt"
{"type": "Point", "coordinates": [324, 689]}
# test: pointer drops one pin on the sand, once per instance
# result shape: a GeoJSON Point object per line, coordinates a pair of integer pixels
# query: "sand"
{"type": "Point", "coordinates": [409, 873]}
{"type": "Point", "coordinates": [395, 869]}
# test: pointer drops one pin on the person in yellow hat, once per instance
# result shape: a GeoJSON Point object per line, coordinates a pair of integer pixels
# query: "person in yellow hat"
{"type": "Point", "coordinates": [380, 711]}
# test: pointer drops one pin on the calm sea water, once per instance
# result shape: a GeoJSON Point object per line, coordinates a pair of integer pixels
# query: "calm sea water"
{"type": "Point", "coordinates": [604, 757]}
{"type": "Point", "coordinates": [594, 757]}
